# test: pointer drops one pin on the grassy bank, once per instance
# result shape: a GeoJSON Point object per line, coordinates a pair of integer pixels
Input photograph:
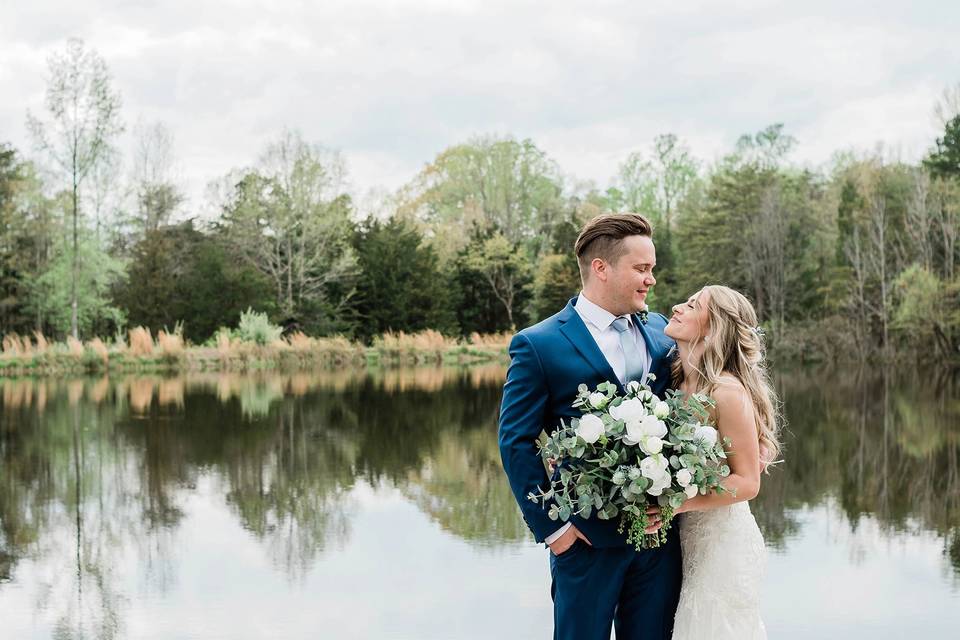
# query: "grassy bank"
{"type": "Point", "coordinates": [139, 351]}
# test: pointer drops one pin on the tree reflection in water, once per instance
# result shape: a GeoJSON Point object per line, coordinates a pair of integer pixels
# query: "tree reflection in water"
{"type": "Point", "coordinates": [885, 448]}
{"type": "Point", "coordinates": [97, 472]}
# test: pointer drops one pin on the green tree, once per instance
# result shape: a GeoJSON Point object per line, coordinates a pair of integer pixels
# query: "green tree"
{"type": "Point", "coordinates": [655, 184]}
{"type": "Point", "coordinates": [493, 184]}
{"type": "Point", "coordinates": [290, 219]}
{"type": "Point", "coordinates": [14, 238]}
{"type": "Point", "coordinates": [944, 159]}
{"type": "Point", "coordinates": [156, 192]}
{"type": "Point", "coordinates": [557, 279]}
{"type": "Point", "coordinates": [503, 268]}
{"type": "Point", "coordinates": [927, 314]}
{"type": "Point", "coordinates": [84, 116]}
{"type": "Point", "coordinates": [400, 286]}
{"type": "Point", "coordinates": [755, 230]}
{"type": "Point", "coordinates": [52, 291]}
{"type": "Point", "coordinates": [179, 274]}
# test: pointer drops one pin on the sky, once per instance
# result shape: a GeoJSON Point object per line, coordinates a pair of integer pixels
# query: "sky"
{"type": "Point", "coordinates": [392, 83]}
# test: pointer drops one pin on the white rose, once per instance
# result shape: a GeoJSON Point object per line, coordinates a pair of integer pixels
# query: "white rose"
{"type": "Point", "coordinates": [597, 400]}
{"type": "Point", "coordinates": [652, 426]}
{"type": "Point", "coordinates": [590, 428]}
{"type": "Point", "coordinates": [684, 477]}
{"type": "Point", "coordinates": [691, 490]}
{"type": "Point", "coordinates": [653, 467]}
{"type": "Point", "coordinates": [707, 434]}
{"type": "Point", "coordinates": [661, 409]}
{"type": "Point", "coordinates": [634, 433]}
{"type": "Point", "coordinates": [651, 445]}
{"type": "Point", "coordinates": [659, 484]}
{"type": "Point", "coordinates": [646, 395]}
{"type": "Point", "coordinates": [629, 410]}
{"type": "Point", "coordinates": [633, 387]}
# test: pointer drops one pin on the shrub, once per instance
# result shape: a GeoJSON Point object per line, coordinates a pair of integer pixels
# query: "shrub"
{"type": "Point", "coordinates": [256, 327]}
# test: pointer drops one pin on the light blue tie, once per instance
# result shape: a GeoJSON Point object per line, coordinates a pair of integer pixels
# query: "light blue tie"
{"type": "Point", "coordinates": [634, 358]}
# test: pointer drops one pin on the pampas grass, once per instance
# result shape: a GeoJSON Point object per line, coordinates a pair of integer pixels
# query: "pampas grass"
{"type": "Point", "coordinates": [100, 350]}
{"type": "Point", "coordinates": [141, 342]}
{"type": "Point", "coordinates": [74, 347]}
{"type": "Point", "coordinates": [16, 345]}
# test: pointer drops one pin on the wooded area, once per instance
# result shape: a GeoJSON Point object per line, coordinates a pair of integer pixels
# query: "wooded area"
{"type": "Point", "coordinates": [857, 259]}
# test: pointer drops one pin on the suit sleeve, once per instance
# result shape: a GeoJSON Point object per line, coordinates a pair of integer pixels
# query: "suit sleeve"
{"type": "Point", "coordinates": [522, 414]}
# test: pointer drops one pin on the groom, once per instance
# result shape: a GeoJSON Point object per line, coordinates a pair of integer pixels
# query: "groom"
{"type": "Point", "coordinates": [601, 335]}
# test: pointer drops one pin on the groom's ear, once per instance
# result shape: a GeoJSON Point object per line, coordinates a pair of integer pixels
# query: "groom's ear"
{"type": "Point", "coordinates": [599, 269]}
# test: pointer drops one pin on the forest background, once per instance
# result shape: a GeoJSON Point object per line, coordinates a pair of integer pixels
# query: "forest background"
{"type": "Point", "coordinates": [854, 260]}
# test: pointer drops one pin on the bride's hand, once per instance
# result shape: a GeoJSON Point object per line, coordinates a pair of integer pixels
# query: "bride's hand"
{"type": "Point", "coordinates": [764, 454]}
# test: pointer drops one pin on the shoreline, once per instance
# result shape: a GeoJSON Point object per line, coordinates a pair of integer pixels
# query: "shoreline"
{"type": "Point", "coordinates": [299, 354]}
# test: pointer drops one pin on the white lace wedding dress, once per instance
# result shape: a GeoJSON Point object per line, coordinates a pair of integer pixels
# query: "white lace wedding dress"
{"type": "Point", "coordinates": [724, 561]}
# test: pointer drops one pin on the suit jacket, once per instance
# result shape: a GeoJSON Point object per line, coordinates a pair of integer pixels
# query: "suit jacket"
{"type": "Point", "coordinates": [548, 361]}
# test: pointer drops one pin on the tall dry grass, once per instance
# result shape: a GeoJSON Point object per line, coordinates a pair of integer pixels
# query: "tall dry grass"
{"type": "Point", "coordinates": [402, 342]}
{"type": "Point", "coordinates": [42, 343]}
{"type": "Point", "coordinates": [491, 340]}
{"type": "Point", "coordinates": [141, 342]}
{"type": "Point", "coordinates": [170, 344]}
{"type": "Point", "coordinates": [74, 347]}
{"type": "Point", "coordinates": [17, 345]}
{"type": "Point", "coordinates": [100, 349]}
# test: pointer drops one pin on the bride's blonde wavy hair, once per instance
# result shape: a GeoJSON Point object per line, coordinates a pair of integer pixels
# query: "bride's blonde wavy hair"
{"type": "Point", "coordinates": [736, 348]}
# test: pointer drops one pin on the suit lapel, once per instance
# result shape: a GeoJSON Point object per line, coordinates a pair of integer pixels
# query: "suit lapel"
{"type": "Point", "coordinates": [653, 347]}
{"type": "Point", "coordinates": [576, 332]}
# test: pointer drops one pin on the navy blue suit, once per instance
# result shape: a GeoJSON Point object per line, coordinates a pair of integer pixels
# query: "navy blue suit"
{"type": "Point", "coordinates": [610, 581]}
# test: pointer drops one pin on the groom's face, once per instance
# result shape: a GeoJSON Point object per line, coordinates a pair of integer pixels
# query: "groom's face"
{"type": "Point", "coordinates": [631, 277]}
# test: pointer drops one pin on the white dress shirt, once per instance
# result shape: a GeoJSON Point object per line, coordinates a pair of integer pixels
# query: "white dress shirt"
{"type": "Point", "coordinates": [599, 322]}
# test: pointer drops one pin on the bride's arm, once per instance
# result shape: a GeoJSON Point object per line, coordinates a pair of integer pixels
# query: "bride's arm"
{"type": "Point", "coordinates": [735, 420]}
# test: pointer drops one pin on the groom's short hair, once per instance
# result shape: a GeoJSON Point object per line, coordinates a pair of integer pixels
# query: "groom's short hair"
{"type": "Point", "coordinates": [603, 237]}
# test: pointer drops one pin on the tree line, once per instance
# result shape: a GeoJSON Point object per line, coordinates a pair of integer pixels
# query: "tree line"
{"type": "Point", "coordinates": [855, 259]}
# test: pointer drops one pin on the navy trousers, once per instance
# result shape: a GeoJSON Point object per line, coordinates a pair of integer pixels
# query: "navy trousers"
{"type": "Point", "coordinates": [637, 591]}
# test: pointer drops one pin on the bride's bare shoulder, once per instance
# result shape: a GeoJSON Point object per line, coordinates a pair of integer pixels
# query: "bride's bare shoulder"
{"type": "Point", "coordinates": [730, 393]}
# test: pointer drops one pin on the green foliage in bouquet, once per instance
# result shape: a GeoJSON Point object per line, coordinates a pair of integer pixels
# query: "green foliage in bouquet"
{"type": "Point", "coordinates": [630, 451]}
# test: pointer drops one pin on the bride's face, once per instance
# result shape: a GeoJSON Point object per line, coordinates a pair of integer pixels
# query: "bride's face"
{"type": "Point", "coordinates": [689, 321]}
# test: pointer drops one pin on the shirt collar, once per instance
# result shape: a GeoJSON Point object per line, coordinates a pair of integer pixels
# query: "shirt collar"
{"type": "Point", "coordinates": [594, 313]}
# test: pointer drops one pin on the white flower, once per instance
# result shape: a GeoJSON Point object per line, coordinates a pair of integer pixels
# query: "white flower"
{"type": "Point", "coordinates": [629, 410]}
{"type": "Point", "coordinates": [661, 409]}
{"type": "Point", "coordinates": [691, 490]}
{"type": "Point", "coordinates": [659, 484]}
{"type": "Point", "coordinates": [684, 477]}
{"type": "Point", "coordinates": [597, 400]}
{"type": "Point", "coordinates": [651, 445]}
{"type": "Point", "coordinates": [590, 428]}
{"type": "Point", "coordinates": [633, 387]}
{"type": "Point", "coordinates": [646, 395]}
{"type": "Point", "coordinates": [634, 433]}
{"type": "Point", "coordinates": [653, 467]}
{"type": "Point", "coordinates": [707, 434]}
{"type": "Point", "coordinates": [652, 426]}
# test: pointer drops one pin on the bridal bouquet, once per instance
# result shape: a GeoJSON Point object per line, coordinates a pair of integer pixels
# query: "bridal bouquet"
{"type": "Point", "coordinates": [627, 452]}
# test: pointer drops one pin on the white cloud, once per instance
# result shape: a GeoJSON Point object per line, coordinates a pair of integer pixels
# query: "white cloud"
{"type": "Point", "coordinates": [393, 83]}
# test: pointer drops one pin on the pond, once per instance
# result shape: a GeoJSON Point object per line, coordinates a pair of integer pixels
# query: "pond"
{"type": "Point", "coordinates": [373, 505]}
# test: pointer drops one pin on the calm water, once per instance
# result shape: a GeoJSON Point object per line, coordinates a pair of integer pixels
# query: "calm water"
{"type": "Point", "coordinates": [374, 506]}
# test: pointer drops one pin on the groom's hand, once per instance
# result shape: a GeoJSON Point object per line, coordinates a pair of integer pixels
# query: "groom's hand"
{"type": "Point", "coordinates": [562, 544]}
{"type": "Point", "coordinates": [654, 519]}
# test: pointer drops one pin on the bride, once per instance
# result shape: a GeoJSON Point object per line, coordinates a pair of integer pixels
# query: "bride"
{"type": "Point", "coordinates": [724, 559]}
